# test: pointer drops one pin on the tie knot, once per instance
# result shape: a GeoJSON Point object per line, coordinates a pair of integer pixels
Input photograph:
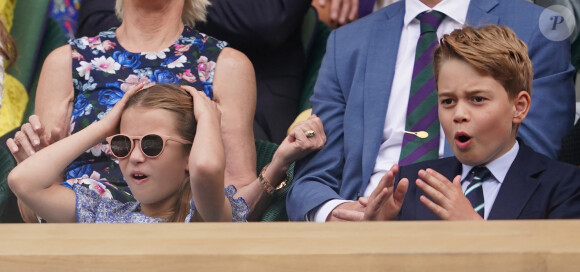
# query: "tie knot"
{"type": "Point", "coordinates": [430, 21]}
{"type": "Point", "coordinates": [480, 173]}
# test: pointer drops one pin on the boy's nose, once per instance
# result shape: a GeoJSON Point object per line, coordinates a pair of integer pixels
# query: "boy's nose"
{"type": "Point", "coordinates": [461, 114]}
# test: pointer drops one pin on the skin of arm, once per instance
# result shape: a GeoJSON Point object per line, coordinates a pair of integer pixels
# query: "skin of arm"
{"type": "Point", "coordinates": [235, 95]}
{"type": "Point", "coordinates": [55, 94]}
{"type": "Point", "coordinates": [207, 162]}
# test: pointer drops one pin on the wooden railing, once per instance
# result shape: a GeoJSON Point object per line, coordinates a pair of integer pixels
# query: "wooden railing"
{"type": "Point", "coordinates": [369, 246]}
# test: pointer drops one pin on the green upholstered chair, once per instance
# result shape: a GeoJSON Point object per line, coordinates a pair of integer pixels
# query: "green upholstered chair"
{"type": "Point", "coordinates": [8, 209]}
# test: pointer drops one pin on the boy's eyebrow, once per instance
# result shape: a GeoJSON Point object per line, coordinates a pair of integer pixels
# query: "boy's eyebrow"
{"type": "Point", "coordinates": [476, 91]}
{"type": "Point", "coordinates": [469, 92]}
{"type": "Point", "coordinates": [443, 93]}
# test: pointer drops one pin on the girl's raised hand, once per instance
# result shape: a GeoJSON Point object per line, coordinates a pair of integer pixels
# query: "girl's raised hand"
{"type": "Point", "coordinates": [203, 107]}
{"type": "Point", "coordinates": [111, 120]}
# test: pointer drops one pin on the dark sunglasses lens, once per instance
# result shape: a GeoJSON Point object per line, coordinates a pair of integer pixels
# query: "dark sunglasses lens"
{"type": "Point", "coordinates": [152, 145]}
{"type": "Point", "coordinates": [120, 146]}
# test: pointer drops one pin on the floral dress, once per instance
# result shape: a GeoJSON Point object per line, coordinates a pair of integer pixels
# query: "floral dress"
{"type": "Point", "coordinates": [95, 204]}
{"type": "Point", "coordinates": [103, 71]}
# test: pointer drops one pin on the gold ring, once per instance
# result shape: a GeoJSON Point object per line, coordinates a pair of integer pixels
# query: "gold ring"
{"type": "Point", "coordinates": [309, 133]}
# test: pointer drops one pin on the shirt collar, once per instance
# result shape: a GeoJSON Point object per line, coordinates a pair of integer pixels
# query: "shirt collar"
{"type": "Point", "coordinates": [453, 9]}
{"type": "Point", "coordinates": [498, 167]}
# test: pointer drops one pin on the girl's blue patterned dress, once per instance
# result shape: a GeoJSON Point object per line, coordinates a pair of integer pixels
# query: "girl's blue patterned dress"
{"type": "Point", "coordinates": [94, 204]}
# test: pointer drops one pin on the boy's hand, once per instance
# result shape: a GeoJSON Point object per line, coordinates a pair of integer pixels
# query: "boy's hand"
{"type": "Point", "coordinates": [449, 202]}
{"type": "Point", "coordinates": [384, 202]}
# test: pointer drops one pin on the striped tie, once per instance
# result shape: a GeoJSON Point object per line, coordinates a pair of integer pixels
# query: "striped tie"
{"type": "Point", "coordinates": [422, 106]}
{"type": "Point", "coordinates": [474, 191]}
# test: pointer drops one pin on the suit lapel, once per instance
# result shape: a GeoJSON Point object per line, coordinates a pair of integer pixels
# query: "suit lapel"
{"type": "Point", "coordinates": [518, 186]}
{"type": "Point", "coordinates": [479, 13]}
{"type": "Point", "coordinates": [378, 79]}
{"type": "Point", "coordinates": [449, 169]}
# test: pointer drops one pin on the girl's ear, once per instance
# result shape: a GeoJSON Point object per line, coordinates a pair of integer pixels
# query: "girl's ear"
{"type": "Point", "coordinates": [521, 107]}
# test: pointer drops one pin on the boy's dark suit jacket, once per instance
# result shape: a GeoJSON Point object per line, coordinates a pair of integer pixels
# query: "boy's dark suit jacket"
{"type": "Point", "coordinates": [535, 187]}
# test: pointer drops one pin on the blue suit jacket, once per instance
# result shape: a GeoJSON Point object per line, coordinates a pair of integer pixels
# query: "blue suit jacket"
{"type": "Point", "coordinates": [354, 83]}
{"type": "Point", "coordinates": [535, 187]}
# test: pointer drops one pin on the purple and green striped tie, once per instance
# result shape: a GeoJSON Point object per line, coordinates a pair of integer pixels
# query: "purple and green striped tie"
{"type": "Point", "coordinates": [422, 106]}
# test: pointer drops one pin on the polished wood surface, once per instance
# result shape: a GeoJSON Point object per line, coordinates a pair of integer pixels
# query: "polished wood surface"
{"type": "Point", "coordinates": [369, 246]}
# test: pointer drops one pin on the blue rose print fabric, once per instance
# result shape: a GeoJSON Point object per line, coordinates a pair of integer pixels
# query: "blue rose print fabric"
{"type": "Point", "coordinates": [103, 71]}
{"type": "Point", "coordinates": [96, 203]}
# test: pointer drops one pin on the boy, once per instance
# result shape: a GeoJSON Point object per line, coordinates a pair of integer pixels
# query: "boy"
{"type": "Point", "coordinates": [484, 83]}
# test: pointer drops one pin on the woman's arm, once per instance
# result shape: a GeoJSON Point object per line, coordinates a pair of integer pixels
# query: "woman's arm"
{"type": "Point", "coordinates": [53, 107]}
{"type": "Point", "coordinates": [304, 138]}
{"type": "Point", "coordinates": [235, 94]}
{"type": "Point", "coordinates": [55, 94]}
{"type": "Point", "coordinates": [207, 161]}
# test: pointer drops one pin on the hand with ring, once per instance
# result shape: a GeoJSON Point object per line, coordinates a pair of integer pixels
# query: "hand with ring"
{"type": "Point", "coordinates": [304, 138]}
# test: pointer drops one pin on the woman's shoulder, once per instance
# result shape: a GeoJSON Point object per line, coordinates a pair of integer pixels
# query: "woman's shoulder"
{"type": "Point", "coordinates": [190, 33]}
{"type": "Point", "coordinates": [106, 40]}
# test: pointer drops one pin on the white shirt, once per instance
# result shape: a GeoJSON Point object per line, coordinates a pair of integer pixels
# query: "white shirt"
{"type": "Point", "coordinates": [390, 149]}
{"type": "Point", "coordinates": [379, 4]}
{"type": "Point", "coordinates": [498, 168]}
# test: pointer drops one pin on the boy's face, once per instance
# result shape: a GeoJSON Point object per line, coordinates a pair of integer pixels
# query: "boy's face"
{"type": "Point", "coordinates": [477, 117]}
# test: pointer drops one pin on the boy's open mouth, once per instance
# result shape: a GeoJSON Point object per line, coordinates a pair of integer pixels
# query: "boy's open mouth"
{"type": "Point", "coordinates": [462, 137]}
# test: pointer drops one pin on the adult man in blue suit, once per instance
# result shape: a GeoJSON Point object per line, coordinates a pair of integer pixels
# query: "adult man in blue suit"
{"type": "Point", "coordinates": [363, 86]}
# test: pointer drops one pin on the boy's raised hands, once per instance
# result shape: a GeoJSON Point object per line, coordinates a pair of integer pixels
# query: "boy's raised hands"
{"type": "Point", "coordinates": [446, 198]}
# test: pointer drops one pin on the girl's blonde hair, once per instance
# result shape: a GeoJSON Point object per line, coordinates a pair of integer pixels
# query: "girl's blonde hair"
{"type": "Point", "coordinates": [178, 101]}
{"type": "Point", "coordinates": [193, 10]}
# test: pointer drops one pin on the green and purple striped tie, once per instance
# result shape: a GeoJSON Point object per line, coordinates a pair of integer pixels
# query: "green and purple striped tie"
{"type": "Point", "coordinates": [422, 106]}
{"type": "Point", "coordinates": [474, 191]}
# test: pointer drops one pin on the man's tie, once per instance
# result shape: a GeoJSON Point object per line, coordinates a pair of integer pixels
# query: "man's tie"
{"type": "Point", "coordinates": [422, 106]}
{"type": "Point", "coordinates": [474, 191]}
{"type": "Point", "coordinates": [365, 7]}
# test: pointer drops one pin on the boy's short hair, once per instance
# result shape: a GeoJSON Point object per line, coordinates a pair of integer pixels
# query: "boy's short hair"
{"type": "Point", "coordinates": [492, 50]}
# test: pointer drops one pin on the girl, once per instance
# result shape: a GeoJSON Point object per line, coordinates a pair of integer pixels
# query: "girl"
{"type": "Point", "coordinates": [173, 176]}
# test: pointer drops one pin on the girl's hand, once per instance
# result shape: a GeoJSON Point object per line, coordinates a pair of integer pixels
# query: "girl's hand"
{"type": "Point", "coordinates": [112, 119]}
{"type": "Point", "coordinates": [203, 107]}
{"type": "Point", "coordinates": [306, 137]}
{"type": "Point", "coordinates": [31, 138]}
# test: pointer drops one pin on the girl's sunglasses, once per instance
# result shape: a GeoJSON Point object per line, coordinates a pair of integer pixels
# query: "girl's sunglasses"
{"type": "Point", "coordinates": [152, 145]}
